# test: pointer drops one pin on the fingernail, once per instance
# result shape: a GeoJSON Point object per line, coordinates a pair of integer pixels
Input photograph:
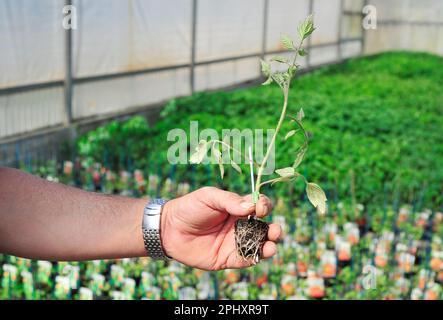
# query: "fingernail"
{"type": "Point", "coordinates": [247, 205]}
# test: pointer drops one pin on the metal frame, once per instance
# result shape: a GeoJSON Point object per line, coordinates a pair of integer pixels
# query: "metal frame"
{"type": "Point", "coordinates": [345, 13]}
{"type": "Point", "coordinates": [264, 29]}
{"type": "Point", "coordinates": [193, 41]}
{"type": "Point", "coordinates": [340, 25]}
{"type": "Point", "coordinates": [410, 23]}
{"type": "Point", "coordinates": [309, 46]}
{"type": "Point", "coordinates": [68, 72]}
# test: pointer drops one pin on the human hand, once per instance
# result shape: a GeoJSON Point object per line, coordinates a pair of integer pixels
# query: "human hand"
{"type": "Point", "coordinates": [198, 228]}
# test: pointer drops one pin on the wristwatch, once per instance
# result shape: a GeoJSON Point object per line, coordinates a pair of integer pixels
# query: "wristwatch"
{"type": "Point", "coordinates": [151, 229]}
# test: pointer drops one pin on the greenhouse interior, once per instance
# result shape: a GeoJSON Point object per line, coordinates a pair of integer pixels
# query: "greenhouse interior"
{"type": "Point", "coordinates": [333, 111]}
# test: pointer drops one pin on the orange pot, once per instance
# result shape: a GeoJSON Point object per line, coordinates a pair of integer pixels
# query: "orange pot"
{"type": "Point", "coordinates": [422, 283]}
{"type": "Point", "coordinates": [329, 270]}
{"type": "Point", "coordinates": [421, 222]}
{"type": "Point", "coordinates": [344, 255]}
{"type": "Point", "coordinates": [316, 292]}
{"type": "Point", "coordinates": [301, 267]}
{"type": "Point", "coordinates": [353, 239]}
{"type": "Point", "coordinates": [288, 289]}
{"type": "Point", "coordinates": [406, 266]}
{"type": "Point", "coordinates": [381, 261]}
{"type": "Point", "coordinates": [262, 280]}
{"type": "Point", "coordinates": [231, 277]}
{"type": "Point", "coordinates": [436, 264]}
{"type": "Point", "coordinates": [431, 295]}
{"type": "Point", "coordinates": [198, 273]}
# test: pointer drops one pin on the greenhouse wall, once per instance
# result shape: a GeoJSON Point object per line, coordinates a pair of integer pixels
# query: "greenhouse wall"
{"type": "Point", "coordinates": [406, 25]}
{"type": "Point", "coordinates": [129, 56]}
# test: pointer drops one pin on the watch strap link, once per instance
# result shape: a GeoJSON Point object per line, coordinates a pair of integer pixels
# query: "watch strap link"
{"type": "Point", "coordinates": [151, 229]}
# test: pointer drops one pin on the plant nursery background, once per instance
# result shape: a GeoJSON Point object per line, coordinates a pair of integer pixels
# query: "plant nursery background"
{"type": "Point", "coordinates": [91, 106]}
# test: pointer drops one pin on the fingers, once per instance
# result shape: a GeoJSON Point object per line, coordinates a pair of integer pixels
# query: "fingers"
{"type": "Point", "coordinates": [269, 249]}
{"type": "Point", "coordinates": [274, 232]}
{"type": "Point", "coordinates": [222, 200]}
{"type": "Point", "coordinates": [233, 203]}
{"type": "Point", "coordinates": [263, 206]}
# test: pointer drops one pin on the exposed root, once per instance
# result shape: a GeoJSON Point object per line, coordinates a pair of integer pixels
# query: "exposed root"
{"type": "Point", "coordinates": [250, 235]}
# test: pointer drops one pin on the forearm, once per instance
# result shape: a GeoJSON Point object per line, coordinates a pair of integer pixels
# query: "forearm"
{"type": "Point", "coordinates": [44, 220]}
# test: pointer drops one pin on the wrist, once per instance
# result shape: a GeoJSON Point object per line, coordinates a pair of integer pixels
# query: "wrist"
{"type": "Point", "coordinates": [165, 226]}
{"type": "Point", "coordinates": [139, 206]}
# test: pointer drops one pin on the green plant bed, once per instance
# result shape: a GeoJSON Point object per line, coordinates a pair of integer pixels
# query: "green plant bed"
{"type": "Point", "coordinates": [380, 116]}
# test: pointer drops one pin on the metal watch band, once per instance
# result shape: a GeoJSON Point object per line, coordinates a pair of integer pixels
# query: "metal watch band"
{"type": "Point", "coordinates": [151, 229]}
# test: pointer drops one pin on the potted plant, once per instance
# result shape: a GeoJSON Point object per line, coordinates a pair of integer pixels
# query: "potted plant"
{"type": "Point", "coordinates": [250, 234]}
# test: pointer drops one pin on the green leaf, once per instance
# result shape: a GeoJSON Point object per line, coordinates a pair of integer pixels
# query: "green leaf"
{"type": "Point", "coordinates": [302, 52]}
{"type": "Point", "coordinates": [225, 149]}
{"type": "Point", "coordinates": [306, 27]}
{"type": "Point", "coordinates": [299, 158]}
{"type": "Point", "coordinates": [216, 152]}
{"type": "Point", "coordinates": [217, 155]}
{"type": "Point", "coordinates": [200, 152]}
{"type": "Point", "coordinates": [267, 82]}
{"type": "Point", "coordinates": [280, 59]}
{"type": "Point", "coordinates": [291, 133]}
{"type": "Point", "coordinates": [222, 169]}
{"type": "Point", "coordinates": [265, 68]}
{"type": "Point", "coordinates": [300, 114]}
{"type": "Point", "coordinates": [316, 196]}
{"type": "Point", "coordinates": [283, 179]}
{"type": "Point", "coordinates": [280, 78]}
{"type": "Point", "coordinates": [287, 42]}
{"type": "Point", "coordinates": [285, 172]}
{"type": "Point", "coordinates": [291, 71]}
{"type": "Point", "coordinates": [236, 166]}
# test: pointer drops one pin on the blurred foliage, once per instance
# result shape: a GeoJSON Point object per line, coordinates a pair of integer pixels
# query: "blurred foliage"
{"type": "Point", "coordinates": [380, 116]}
{"type": "Point", "coordinates": [116, 143]}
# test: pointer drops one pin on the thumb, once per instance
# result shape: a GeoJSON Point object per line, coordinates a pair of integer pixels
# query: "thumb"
{"type": "Point", "coordinates": [226, 201]}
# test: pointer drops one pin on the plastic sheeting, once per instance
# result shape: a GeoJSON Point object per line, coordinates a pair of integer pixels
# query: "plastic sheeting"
{"type": "Point", "coordinates": [115, 95]}
{"type": "Point", "coordinates": [405, 37]}
{"type": "Point", "coordinates": [323, 55]}
{"type": "Point", "coordinates": [117, 36]}
{"type": "Point", "coordinates": [409, 10]}
{"type": "Point", "coordinates": [413, 25]}
{"type": "Point", "coordinates": [351, 27]}
{"type": "Point", "coordinates": [284, 16]}
{"type": "Point", "coordinates": [228, 28]}
{"type": "Point", "coordinates": [353, 5]}
{"type": "Point", "coordinates": [351, 49]}
{"type": "Point", "coordinates": [327, 17]}
{"type": "Point", "coordinates": [224, 74]}
{"type": "Point", "coordinates": [31, 42]}
{"type": "Point", "coordinates": [26, 111]}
